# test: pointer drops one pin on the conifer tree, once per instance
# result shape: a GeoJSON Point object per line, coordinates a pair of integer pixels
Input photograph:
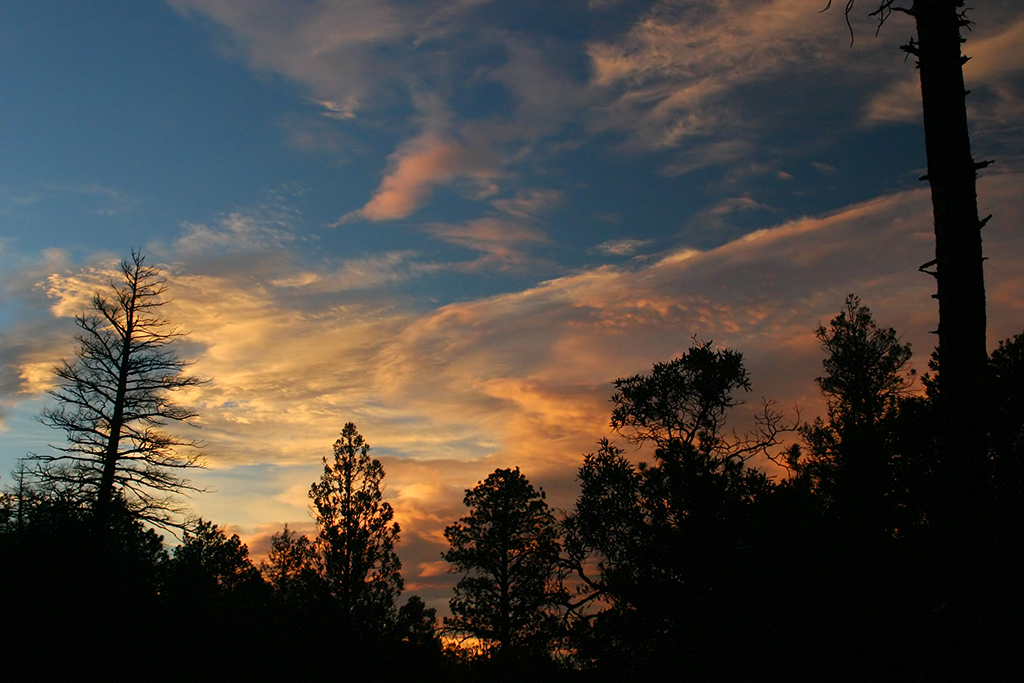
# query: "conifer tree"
{"type": "Point", "coordinates": [357, 534]}
{"type": "Point", "coordinates": [211, 565]}
{"type": "Point", "coordinates": [851, 460]}
{"type": "Point", "coordinates": [507, 550]}
{"type": "Point", "coordinates": [293, 569]}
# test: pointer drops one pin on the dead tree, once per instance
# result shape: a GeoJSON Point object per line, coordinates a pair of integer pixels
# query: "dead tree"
{"type": "Point", "coordinates": [958, 263]}
{"type": "Point", "coordinates": [113, 400]}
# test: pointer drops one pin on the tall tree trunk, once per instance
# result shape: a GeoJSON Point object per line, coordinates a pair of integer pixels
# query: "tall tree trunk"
{"type": "Point", "coordinates": [963, 355]}
{"type": "Point", "coordinates": [105, 492]}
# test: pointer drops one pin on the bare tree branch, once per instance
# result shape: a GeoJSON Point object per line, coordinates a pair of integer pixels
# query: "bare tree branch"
{"type": "Point", "coordinates": [113, 398]}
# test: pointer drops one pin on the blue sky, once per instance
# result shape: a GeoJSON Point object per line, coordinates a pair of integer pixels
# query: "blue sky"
{"type": "Point", "coordinates": [456, 222]}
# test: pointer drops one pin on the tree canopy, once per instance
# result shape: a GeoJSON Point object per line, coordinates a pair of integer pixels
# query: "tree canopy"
{"type": "Point", "coordinates": [853, 457]}
{"type": "Point", "coordinates": [211, 565]}
{"type": "Point", "coordinates": [654, 542]}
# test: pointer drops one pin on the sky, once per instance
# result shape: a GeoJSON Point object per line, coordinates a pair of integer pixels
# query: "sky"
{"type": "Point", "coordinates": [456, 222]}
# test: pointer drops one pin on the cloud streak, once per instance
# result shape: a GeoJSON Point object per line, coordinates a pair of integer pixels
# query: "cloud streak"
{"type": "Point", "coordinates": [415, 170]}
{"type": "Point", "coordinates": [278, 360]}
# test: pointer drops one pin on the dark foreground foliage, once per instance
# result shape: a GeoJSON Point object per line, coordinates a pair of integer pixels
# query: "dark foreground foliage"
{"type": "Point", "coordinates": [866, 563]}
{"type": "Point", "coordinates": [81, 604]}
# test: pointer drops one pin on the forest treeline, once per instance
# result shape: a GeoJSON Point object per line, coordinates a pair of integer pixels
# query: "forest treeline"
{"type": "Point", "coordinates": [867, 561]}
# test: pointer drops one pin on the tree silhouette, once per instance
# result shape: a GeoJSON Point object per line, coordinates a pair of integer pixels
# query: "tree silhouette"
{"type": "Point", "coordinates": [114, 399]}
{"type": "Point", "coordinates": [357, 534]}
{"type": "Point", "coordinates": [684, 403]}
{"type": "Point", "coordinates": [865, 370]}
{"type": "Point", "coordinates": [417, 624]}
{"type": "Point", "coordinates": [63, 579]}
{"type": "Point", "coordinates": [16, 502]}
{"type": "Point", "coordinates": [958, 263]}
{"type": "Point", "coordinates": [667, 540]}
{"type": "Point", "coordinates": [294, 570]}
{"type": "Point", "coordinates": [507, 549]}
{"type": "Point", "coordinates": [685, 399]}
{"type": "Point", "coordinates": [1006, 427]}
{"type": "Point", "coordinates": [851, 459]}
{"type": "Point", "coordinates": [210, 565]}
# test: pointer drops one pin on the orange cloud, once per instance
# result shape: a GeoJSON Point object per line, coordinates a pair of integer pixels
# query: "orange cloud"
{"type": "Point", "coordinates": [414, 170]}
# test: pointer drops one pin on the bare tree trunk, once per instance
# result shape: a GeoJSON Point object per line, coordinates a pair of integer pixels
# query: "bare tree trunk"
{"type": "Point", "coordinates": [105, 491]}
{"type": "Point", "coordinates": [111, 454]}
{"type": "Point", "coordinates": [963, 354]}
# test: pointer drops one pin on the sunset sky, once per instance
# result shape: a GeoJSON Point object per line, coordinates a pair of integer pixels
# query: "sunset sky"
{"type": "Point", "coordinates": [456, 222]}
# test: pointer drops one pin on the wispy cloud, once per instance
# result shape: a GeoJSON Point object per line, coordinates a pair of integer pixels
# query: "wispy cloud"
{"type": "Point", "coordinates": [900, 102]}
{"type": "Point", "coordinates": [111, 202]}
{"type": "Point", "coordinates": [416, 169]}
{"type": "Point", "coordinates": [621, 247]}
{"type": "Point", "coordinates": [992, 73]}
{"type": "Point", "coordinates": [714, 81]}
{"type": "Point", "coordinates": [501, 240]}
{"type": "Point", "coordinates": [468, 373]}
{"type": "Point", "coordinates": [674, 71]}
{"type": "Point", "coordinates": [235, 232]}
{"type": "Point", "coordinates": [316, 136]}
{"type": "Point", "coordinates": [338, 110]}
{"type": "Point", "coordinates": [529, 203]}
{"type": "Point", "coordinates": [358, 273]}
{"type": "Point", "coordinates": [377, 55]}
{"type": "Point", "coordinates": [88, 198]}
{"type": "Point", "coordinates": [504, 238]}
{"type": "Point", "coordinates": [327, 45]}
{"type": "Point", "coordinates": [737, 205]}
